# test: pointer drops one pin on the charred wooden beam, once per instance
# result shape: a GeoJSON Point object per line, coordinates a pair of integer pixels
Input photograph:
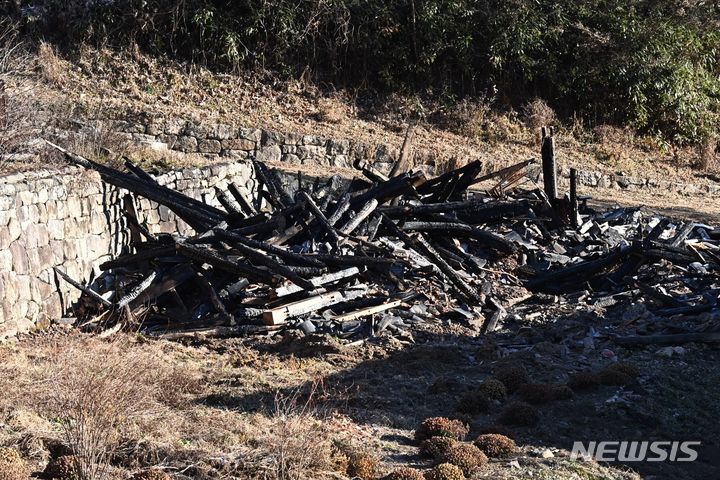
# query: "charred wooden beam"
{"type": "Point", "coordinates": [394, 187]}
{"type": "Point", "coordinates": [581, 272]}
{"type": "Point", "coordinates": [245, 205]}
{"type": "Point", "coordinates": [319, 215]}
{"type": "Point", "coordinates": [205, 255]}
{"type": "Point", "coordinates": [318, 281]}
{"type": "Point", "coordinates": [430, 185]}
{"type": "Point", "coordinates": [361, 215]}
{"type": "Point", "coordinates": [86, 290]}
{"type": "Point", "coordinates": [473, 211]}
{"type": "Point", "coordinates": [403, 163]}
{"type": "Point", "coordinates": [140, 256]}
{"type": "Point", "coordinates": [137, 290]}
{"type": "Point", "coordinates": [549, 165]}
{"type": "Point", "coordinates": [197, 214]}
{"type": "Point", "coordinates": [228, 203]}
{"type": "Point", "coordinates": [261, 258]}
{"type": "Point", "coordinates": [484, 237]}
{"type": "Point", "coordinates": [574, 215]}
{"type": "Point", "coordinates": [234, 238]}
{"type": "Point", "coordinates": [279, 315]}
{"type": "Point", "coordinates": [669, 339]}
{"type": "Point", "coordinates": [504, 171]}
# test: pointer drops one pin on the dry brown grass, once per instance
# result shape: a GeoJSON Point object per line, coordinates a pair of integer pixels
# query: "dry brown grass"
{"type": "Point", "coordinates": [17, 108]}
{"type": "Point", "coordinates": [97, 402]}
{"type": "Point", "coordinates": [95, 393]}
{"type": "Point", "coordinates": [50, 65]}
{"type": "Point", "coordinates": [294, 443]}
{"type": "Point", "coordinates": [331, 110]}
{"type": "Point", "coordinates": [12, 466]}
{"type": "Point", "coordinates": [99, 141]}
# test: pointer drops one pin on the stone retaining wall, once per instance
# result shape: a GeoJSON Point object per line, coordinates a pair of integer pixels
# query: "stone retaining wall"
{"type": "Point", "coordinates": [72, 220]}
{"type": "Point", "coordinates": [222, 141]}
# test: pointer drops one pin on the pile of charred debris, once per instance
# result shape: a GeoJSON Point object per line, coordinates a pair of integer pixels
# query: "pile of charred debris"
{"type": "Point", "coordinates": [378, 254]}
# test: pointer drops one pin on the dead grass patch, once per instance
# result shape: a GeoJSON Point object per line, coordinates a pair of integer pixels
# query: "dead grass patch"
{"type": "Point", "coordinates": [50, 65]}
{"type": "Point", "coordinates": [95, 393]}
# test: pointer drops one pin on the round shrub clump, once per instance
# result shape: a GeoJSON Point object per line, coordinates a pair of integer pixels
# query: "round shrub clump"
{"type": "Point", "coordinates": [537, 393]}
{"type": "Point", "coordinates": [495, 428]}
{"type": "Point", "coordinates": [152, 474]}
{"type": "Point", "coordinates": [583, 381]}
{"type": "Point", "coordinates": [493, 388]}
{"type": "Point", "coordinates": [12, 466]}
{"type": "Point", "coordinates": [405, 473]}
{"type": "Point", "coordinates": [563, 392]}
{"type": "Point", "coordinates": [614, 377]}
{"type": "Point", "coordinates": [473, 402]}
{"type": "Point", "coordinates": [441, 427]}
{"type": "Point", "coordinates": [61, 468]}
{"type": "Point", "coordinates": [495, 445]}
{"type": "Point", "coordinates": [362, 465]}
{"type": "Point", "coordinates": [512, 375]}
{"type": "Point", "coordinates": [520, 414]}
{"type": "Point", "coordinates": [466, 456]}
{"type": "Point", "coordinates": [445, 471]}
{"type": "Point", "coordinates": [626, 368]}
{"type": "Point", "coordinates": [434, 447]}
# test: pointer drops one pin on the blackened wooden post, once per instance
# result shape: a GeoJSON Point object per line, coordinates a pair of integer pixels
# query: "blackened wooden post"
{"type": "Point", "coordinates": [549, 166]}
{"type": "Point", "coordinates": [573, 198]}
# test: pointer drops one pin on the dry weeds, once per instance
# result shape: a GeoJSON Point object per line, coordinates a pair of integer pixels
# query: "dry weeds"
{"type": "Point", "coordinates": [50, 65]}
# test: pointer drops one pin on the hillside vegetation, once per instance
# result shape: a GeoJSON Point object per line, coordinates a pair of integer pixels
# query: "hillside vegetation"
{"type": "Point", "coordinates": [652, 65]}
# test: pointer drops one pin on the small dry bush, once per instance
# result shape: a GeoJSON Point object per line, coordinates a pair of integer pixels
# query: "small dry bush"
{"type": "Point", "coordinates": [520, 414]}
{"type": "Point", "coordinates": [97, 399]}
{"type": "Point", "coordinates": [64, 467]}
{"type": "Point", "coordinates": [445, 471]}
{"type": "Point", "coordinates": [512, 375]}
{"type": "Point", "coordinates": [152, 474]}
{"type": "Point", "coordinates": [495, 445]}
{"type": "Point", "coordinates": [363, 465]}
{"type": "Point", "coordinates": [469, 118]}
{"type": "Point", "coordinates": [99, 141]}
{"type": "Point", "coordinates": [493, 388]}
{"type": "Point", "coordinates": [441, 427]}
{"type": "Point", "coordinates": [473, 402]}
{"type": "Point", "coordinates": [50, 65]}
{"type": "Point", "coordinates": [626, 368]}
{"type": "Point", "coordinates": [405, 473]}
{"type": "Point", "coordinates": [18, 107]}
{"type": "Point", "coordinates": [583, 381]}
{"type": "Point", "coordinates": [611, 135]}
{"type": "Point", "coordinates": [330, 110]}
{"type": "Point", "coordinates": [434, 447]}
{"type": "Point", "coordinates": [614, 377]}
{"type": "Point", "coordinates": [97, 393]}
{"type": "Point", "coordinates": [613, 144]}
{"type": "Point", "coordinates": [296, 442]}
{"type": "Point", "coordinates": [537, 392]}
{"type": "Point", "coordinates": [537, 114]}
{"type": "Point", "coordinates": [466, 456]}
